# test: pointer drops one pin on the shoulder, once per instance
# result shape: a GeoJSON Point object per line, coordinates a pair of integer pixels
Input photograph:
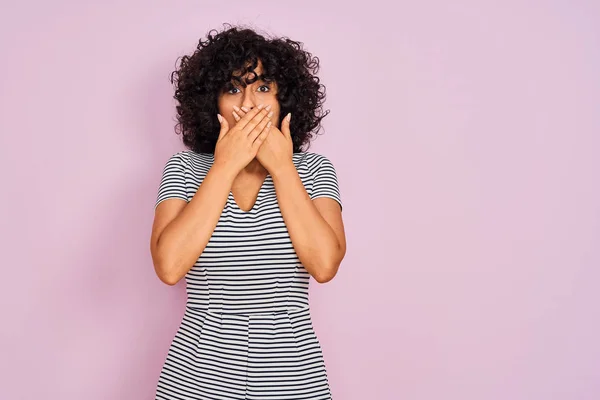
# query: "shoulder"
{"type": "Point", "coordinates": [311, 161]}
{"type": "Point", "coordinates": [189, 156]}
{"type": "Point", "coordinates": [189, 160]}
{"type": "Point", "coordinates": [315, 164]}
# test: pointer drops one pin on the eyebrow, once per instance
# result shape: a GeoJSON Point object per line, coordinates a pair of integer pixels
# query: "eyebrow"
{"type": "Point", "coordinates": [234, 82]}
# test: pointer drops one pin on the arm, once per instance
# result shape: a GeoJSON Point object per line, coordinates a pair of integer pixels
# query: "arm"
{"type": "Point", "coordinates": [315, 226]}
{"type": "Point", "coordinates": [181, 230]}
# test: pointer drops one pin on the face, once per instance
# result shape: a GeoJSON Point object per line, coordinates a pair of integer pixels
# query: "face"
{"type": "Point", "coordinates": [259, 92]}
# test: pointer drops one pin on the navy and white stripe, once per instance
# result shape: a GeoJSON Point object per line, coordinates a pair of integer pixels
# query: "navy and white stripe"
{"type": "Point", "coordinates": [247, 331]}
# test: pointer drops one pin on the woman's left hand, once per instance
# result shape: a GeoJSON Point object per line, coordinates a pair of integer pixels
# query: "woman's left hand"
{"type": "Point", "coordinates": [277, 150]}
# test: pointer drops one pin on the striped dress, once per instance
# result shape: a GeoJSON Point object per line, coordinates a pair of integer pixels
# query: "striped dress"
{"type": "Point", "coordinates": [246, 332]}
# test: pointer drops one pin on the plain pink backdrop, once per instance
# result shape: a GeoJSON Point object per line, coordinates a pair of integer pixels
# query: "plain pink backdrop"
{"type": "Point", "coordinates": [466, 136]}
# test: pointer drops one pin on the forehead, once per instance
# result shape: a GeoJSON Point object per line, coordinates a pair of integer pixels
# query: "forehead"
{"type": "Point", "coordinates": [249, 74]}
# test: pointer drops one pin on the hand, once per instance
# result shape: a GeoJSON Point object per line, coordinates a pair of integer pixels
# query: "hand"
{"type": "Point", "coordinates": [278, 148]}
{"type": "Point", "coordinates": [237, 146]}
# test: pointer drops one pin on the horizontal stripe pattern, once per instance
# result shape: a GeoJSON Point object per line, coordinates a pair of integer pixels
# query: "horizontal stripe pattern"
{"type": "Point", "coordinates": [247, 331]}
{"type": "Point", "coordinates": [244, 356]}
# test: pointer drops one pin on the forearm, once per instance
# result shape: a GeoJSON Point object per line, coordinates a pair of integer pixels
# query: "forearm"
{"type": "Point", "coordinates": [184, 239]}
{"type": "Point", "coordinates": [313, 239]}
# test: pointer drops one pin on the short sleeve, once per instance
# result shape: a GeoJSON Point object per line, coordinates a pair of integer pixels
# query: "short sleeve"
{"type": "Point", "coordinates": [325, 182]}
{"type": "Point", "coordinates": [172, 184]}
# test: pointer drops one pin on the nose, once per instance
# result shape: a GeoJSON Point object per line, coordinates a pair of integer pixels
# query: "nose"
{"type": "Point", "coordinates": [248, 100]}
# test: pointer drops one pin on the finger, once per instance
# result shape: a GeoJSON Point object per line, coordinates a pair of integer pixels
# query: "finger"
{"type": "Point", "coordinates": [224, 126]}
{"type": "Point", "coordinates": [253, 123]}
{"type": "Point", "coordinates": [261, 125]}
{"type": "Point", "coordinates": [261, 138]}
{"type": "Point", "coordinates": [236, 116]}
{"type": "Point", "coordinates": [285, 126]}
{"type": "Point", "coordinates": [249, 116]}
{"type": "Point", "coordinates": [264, 124]}
{"type": "Point", "coordinates": [241, 111]}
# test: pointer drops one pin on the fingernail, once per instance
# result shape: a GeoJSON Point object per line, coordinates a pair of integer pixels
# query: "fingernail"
{"type": "Point", "coordinates": [244, 109]}
{"type": "Point", "coordinates": [268, 107]}
{"type": "Point", "coordinates": [289, 116]}
{"type": "Point", "coordinates": [220, 118]}
{"type": "Point", "coordinates": [236, 108]}
{"type": "Point", "coordinates": [270, 114]}
{"type": "Point", "coordinates": [260, 106]}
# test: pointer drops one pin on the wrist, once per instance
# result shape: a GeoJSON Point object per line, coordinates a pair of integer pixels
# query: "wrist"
{"type": "Point", "coordinates": [224, 171]}
{"type": "Point", "coordinates": [286, 169]}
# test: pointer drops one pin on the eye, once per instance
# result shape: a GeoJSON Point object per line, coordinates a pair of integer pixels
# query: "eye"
{"type": "Point", "coordinates": [231, 91]}
{"type": "Point", "coordinates": [264, 86]}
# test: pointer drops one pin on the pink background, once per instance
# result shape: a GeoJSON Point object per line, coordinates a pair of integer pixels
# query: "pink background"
{"type": "Point", "coordinates": [466, 139]}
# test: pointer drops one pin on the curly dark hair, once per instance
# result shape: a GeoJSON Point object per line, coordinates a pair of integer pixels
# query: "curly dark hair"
{"type": "Point", "coordinates": [203, 75]}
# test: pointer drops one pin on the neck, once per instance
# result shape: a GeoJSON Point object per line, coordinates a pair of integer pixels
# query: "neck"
{"type": "Point", "coordinates": [254, 167]}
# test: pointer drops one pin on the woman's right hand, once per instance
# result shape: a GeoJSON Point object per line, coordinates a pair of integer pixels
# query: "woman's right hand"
{"type": "Point", "coordinates": [237, 146]}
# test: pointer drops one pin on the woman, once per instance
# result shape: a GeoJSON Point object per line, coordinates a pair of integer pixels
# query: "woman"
{"type": "Point", "coordinates": [247, 216]}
